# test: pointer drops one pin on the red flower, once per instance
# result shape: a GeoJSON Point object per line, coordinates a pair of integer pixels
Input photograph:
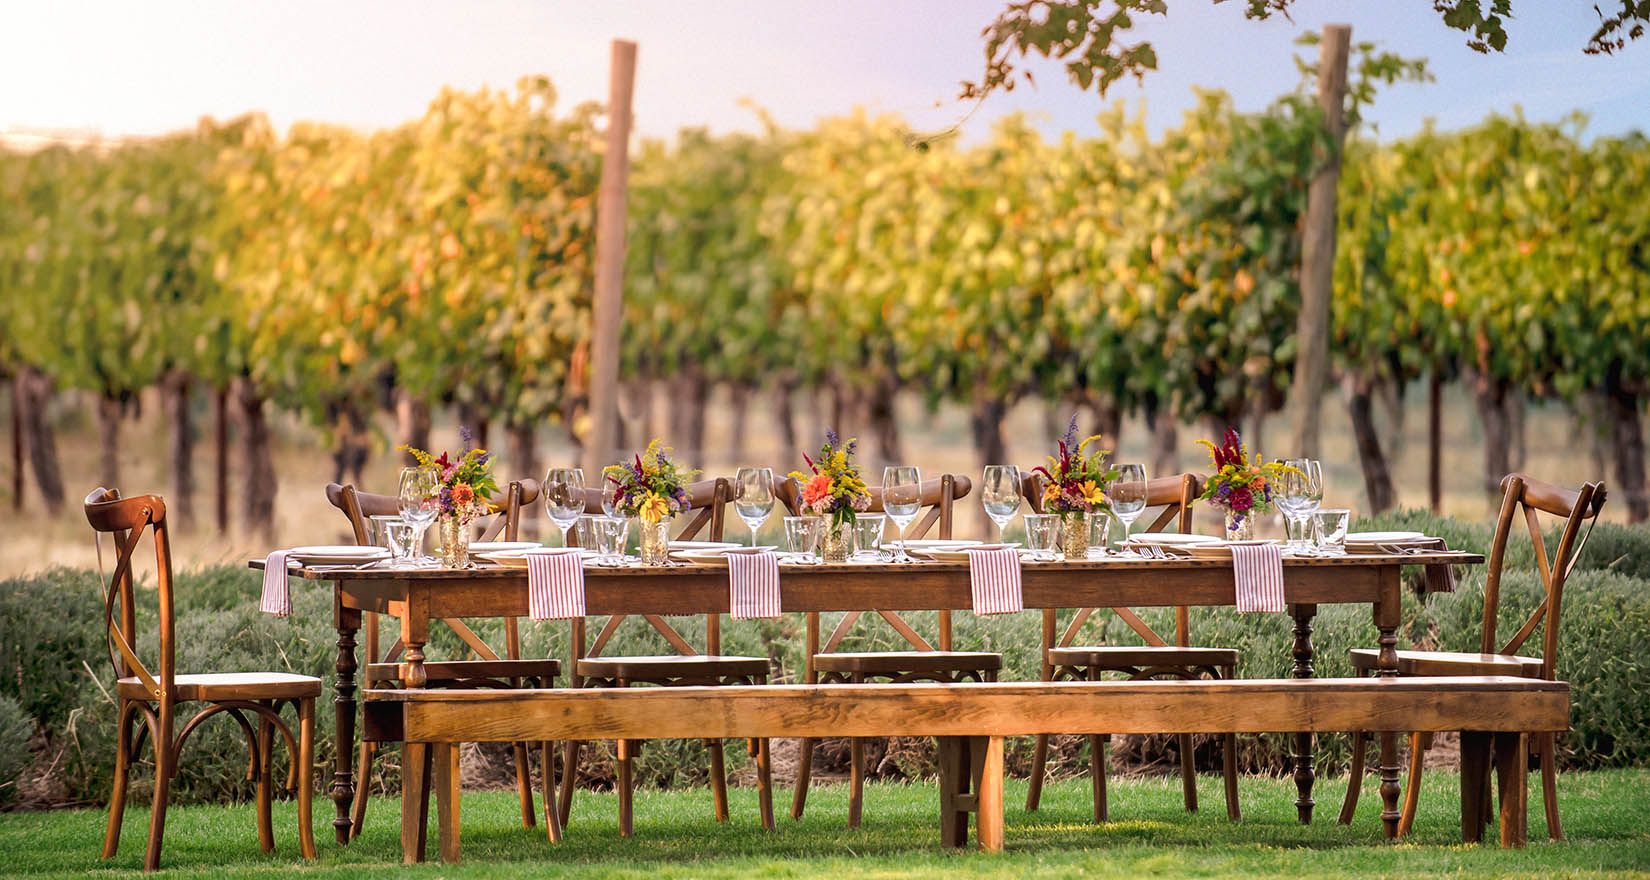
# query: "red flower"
{"type": "Point", "coordinates": [1242, 500]}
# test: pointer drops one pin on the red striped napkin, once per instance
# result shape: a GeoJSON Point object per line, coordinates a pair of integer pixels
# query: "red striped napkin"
{"type": "Point", "coordinates": [277, 597]}
{"type": "Point", "coordinates": [753, 585]}
{"type": "Point", "coordinates": [555, 585]}
{"type": "Point", "coordinates": [994, 581]}
{"type": "Point", "coordinates": [1259, 569]}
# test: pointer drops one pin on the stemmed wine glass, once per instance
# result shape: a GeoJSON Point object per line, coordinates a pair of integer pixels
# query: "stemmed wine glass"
{"type": "Point", "coordinates": [753, 496]}
{"type": "Point", "coordinates": [564, 498]}
{"type": "Point", "coordinates": [1302, 495]}
{"type": "Point", "coordinates": [901, 499]}
{"type": "Point", "coordinates": [420, 502]}
{"type": "Point", "coordinates": [1128, 495]}
{"type": "Point", "coordinates": [1000, 493]}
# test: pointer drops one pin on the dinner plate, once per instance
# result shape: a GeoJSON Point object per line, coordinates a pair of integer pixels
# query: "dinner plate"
{"type": "Point", "coordinates": [1171, 539]}
{"type": "Point", "coordinates": [942, 554]}
{"type": "Point", "coordinates": [934, 544]}
{"type": "Point", "coordinates": [1221, 549]}
{"type": "Point", "coordinates": [336, 554]}
{"type": "Point", "coordinates": [518, 558]}
{"type": "Point", "coordinates": [1383, 537]}
{"type": "Point", "coordinates": [703, 545]}
{"type": "Point", "coordinates": [477, 548]}
{"type": "Point", "coordinates": [716, 557]}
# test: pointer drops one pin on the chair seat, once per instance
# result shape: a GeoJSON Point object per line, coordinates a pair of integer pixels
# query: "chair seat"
{"type": "Point", "coordinates": [446, 673]}
{"type": "Point", "coordinates": [217, 687]}
{"type": "Point", "coordinates": [670, 666]}
{"type": "Point", "coordinates": [1137, 656]}
{"type": "Point", "coordinates": [1449, 663]}
{"type": "Point", "coordinates": [908, 662]}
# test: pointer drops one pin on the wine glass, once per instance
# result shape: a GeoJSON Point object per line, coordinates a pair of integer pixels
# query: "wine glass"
{"type": "Point", "coordinates": [1310, 496]}
{"type": "Point", "coordinates": [901, 499]}
{"type": "Point", "coordinates": [1290, 496]}
{"type": "Point", "coordinates": [753, 496]}
{"type": "Point", "coordinates": [1128, 495]}
{"type": "Point", "coordinates": [420, 501]}
{"type": "Point", "coordinates": [564, 498]}
{"type": "Point", "coordinates": [1000, 493]}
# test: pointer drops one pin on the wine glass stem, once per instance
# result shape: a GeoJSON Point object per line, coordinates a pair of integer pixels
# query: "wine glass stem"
{"type": "Point", "coordinates": [564, 530]}
{"type": "Point", "coordinates": [753, 536]}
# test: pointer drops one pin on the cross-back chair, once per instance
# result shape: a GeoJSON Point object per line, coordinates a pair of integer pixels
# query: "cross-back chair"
{"type": "Point", "coordinates": [1520, 494]}
{"type": "Point", "coordinates": [924, 662]}
{"type": "Point", "coordinates": [708, 500]}
{"type": "Point", "coordinates": [488, 671]}
{"type": "Point", "coordinates": [153, 693]}
{"type": "Point", "coordinates": [1063, 659]}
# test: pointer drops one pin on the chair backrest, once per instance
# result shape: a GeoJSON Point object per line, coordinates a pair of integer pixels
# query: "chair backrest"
{"type": "Point", "coordinates": [939, 495]}
{"type": "Point", "coordinates": [1574, 506]}
{"type": "Point", "coordinates": [505, 523]}
{"type": "Point", "coordinates": [1172, 498]}
{"type": "Point", "coordinates": [126, 519]}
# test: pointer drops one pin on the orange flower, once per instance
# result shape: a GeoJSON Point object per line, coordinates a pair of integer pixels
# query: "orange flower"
{"type": "Point", "coordinates": [463, 494]}
{"type": "Point", "coordinates": [817, 490]}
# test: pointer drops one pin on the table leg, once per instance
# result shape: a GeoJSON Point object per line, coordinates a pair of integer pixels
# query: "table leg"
{"type": "Point", "coordinates": [1303, 651]}
{"type": "Point", "coordinates": [1388, 607]}
{"type": "Point", "coordinates": [348, 622]}
{"type": "Point", "coordinates": [415, 634]}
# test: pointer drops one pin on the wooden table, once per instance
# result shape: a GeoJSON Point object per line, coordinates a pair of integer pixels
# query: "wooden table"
{"type": "Point", "coordinates": [417, 596]}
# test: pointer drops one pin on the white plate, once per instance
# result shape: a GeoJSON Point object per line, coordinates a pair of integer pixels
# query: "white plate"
{"type": "Point", "coordinates": [1382, 537]}
{"type": "Point", "coordinates": [334, 554]}
{"type": "Point", "coordinates": [703, 545]}
{"type": "Point", "coordinates": [518, 558]}
{"type": "Point", "coordinates": [478, 548]}
{"type": "Point", "coordinates": [1171, 539]}
{"type": "Point", "coordinates": [940, 545]}
{"type": "Point", "coordinates": [951, 555]}
{"type": "Point", "coordinates": [1221, 549]}
{"type": "Point", "coordinates": [718, 557]}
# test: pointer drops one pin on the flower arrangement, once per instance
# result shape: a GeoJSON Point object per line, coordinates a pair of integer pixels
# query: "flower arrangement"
{"type": "Point", "coordinates": [467, 483]}
{"type": "Point", "coordinates": [650, 488]}
{"type": "Point", "coordinates": [1238, 486]}
{"type": "Point", "coordinates": [1077, 479]}
{"type": "Point", "coordinates": [835, 486]}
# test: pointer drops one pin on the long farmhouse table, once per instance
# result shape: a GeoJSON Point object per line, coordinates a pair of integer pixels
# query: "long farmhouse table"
{"type": "Point", "coordinates": [420, 595]}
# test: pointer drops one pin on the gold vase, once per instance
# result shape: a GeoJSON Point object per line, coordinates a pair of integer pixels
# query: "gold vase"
{"type": "Point", "coordinates": [1240, 526]}
{"type": "Point", "coordinates": [655, 542]}
{"type": "Point", "coordinates": [836, 540]}
{"type": "Point", "coordinates": [1074, 534]}
{"type": "Point", "coordinates": [455, 542]}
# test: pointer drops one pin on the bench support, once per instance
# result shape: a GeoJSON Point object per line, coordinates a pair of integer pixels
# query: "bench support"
{"type": "Point", "coordinates": [971, 781]}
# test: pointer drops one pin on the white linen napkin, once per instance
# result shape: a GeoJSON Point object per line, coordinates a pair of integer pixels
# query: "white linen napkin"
{"type": "Point", "coordinates": [555, 586]}
{"type": "Point", "coordinates": [994, 581]}
{"type": "Point", "coordinates": [1259, 572]}
{"type": "Point", "coordinates": [277, 595]}
{"type": "Point", "coordinates": [753, 585]}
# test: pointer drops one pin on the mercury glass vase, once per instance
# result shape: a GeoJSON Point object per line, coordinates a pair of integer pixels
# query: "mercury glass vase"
{"type": "Point", "coordinates": [1240, 526]}
{"type": "Point", "coordinates": [836, 540]}
{"type": "Point", "coordinates": [455, 542]}
{"type": "Point", "coordinates": [655, 542]}
{"type": "Point", "coordinates": [1074, 534]}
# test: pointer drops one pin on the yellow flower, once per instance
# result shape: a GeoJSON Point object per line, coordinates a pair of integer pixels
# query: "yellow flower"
{"type": "Point", "coordinates": [653, 509]}
{"type": "Point", "coordinates": [1050, 492]}
{"type": "Point", "coordinates": [1093, 493]}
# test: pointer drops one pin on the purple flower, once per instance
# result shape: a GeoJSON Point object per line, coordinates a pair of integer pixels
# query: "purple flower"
{"type": "Point", "coordinates": [1070, 437]}
{"type": "Point", "coordinates": [466, 435]}
{"type": "Point", "coordinates": [831, 438]}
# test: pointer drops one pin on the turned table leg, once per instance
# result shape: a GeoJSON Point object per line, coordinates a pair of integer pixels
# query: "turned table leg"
{"type": "Point", "coordinates": [1387, 609]}
{"type": "Point", "coordinates": [348, 622]}
{"type": "Point", "coordinates": [1304, 773]}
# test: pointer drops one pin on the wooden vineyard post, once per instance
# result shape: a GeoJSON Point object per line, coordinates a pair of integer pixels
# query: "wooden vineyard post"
{"type": "Point", "coordinates": [610, 247]}
{"type": "Point", "coordinates": [1435, 446]}
{"type": "Point", "coordinates": [1318, 245]}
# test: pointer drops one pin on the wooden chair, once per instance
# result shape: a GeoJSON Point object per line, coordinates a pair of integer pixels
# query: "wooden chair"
{"type": "Point", "coordinates": [708, 500]}
{"type": "Point", "coordinates": [1531, 496]}
{"type": "Point", "coordinates": [155, 695]}
{"type": "Point", "coordinates": [490, 671]}
{"type": "Point", "coordinates": [1155, 659]}
{"type": "Point", "coordinates": [923, 663]}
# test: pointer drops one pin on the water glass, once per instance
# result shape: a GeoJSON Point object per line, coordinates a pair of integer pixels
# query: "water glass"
{"type": "Point", "coordinates": [1042, 534]}
{"type": "Point", "coordinates": [1332, 526]}
{"type": "Point", "coordinates": [395, 533]}
{"type": "Point", "coordinates": [587, 530]}
{"type": "Point", "coordinates": [801, 536]}
{"type": "Point", "coordinates": [611, 533]}
{"type": "Point", "coordinates": [1000, 494]}
{"type": "Point", "coordinates": [1099, 531]}
{"type": "Point", "coordinates": [868, 536]}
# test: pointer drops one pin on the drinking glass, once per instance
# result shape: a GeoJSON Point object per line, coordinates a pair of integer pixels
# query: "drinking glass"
{"type": "Point", "coordinates": [1332, 525]}
{"type": "Point", "coordinates": [1314, 489]}
{"type": "Point", "coordinates": [611, 532]}
{"type": "Point", "coordinates": [1042, 534]}
{"type": "Point", "coordinates": [1000, 493]}
{"type": "Point", "coordinates": [868, 536]}
{"type": "Point", "coordinates": [801, 535]}
{"type": "Point", "coordinates": [420, 501]}
{"type": "Point", "coordinates": [901, 499]}
{"type": "Point", "coordinates": [1128, 495]}
{"type": "Point", "coordinates": [753, 496]}
{"type": "Point", "coordinates": [564, 498]}
{"type": "Point", "coordinates": [1299, 497]}
{"type": "Point", "coordinates": [391, 531]}
{"type": "Point", "coordinates": [586, 530]}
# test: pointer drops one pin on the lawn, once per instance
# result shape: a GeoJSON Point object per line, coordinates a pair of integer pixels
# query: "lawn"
{"type": "Point", "coordinates": [1606, 815]}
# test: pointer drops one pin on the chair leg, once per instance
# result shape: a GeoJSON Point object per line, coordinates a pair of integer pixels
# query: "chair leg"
{"type": "Point", "coordinates": [1097, 774]}
{"type": "Point", "coordinates": [552, 822]}
{"type": "Point", "coordinates": [1548, 744]}
{"type": "Point", "coordinates": [627, 820]}
{"type": "Point", "coordinates": [1229, 770]}
{"type": "Point", "coordinates": [764, 781]}
{"type": "Point", "coordinates": [117, 796]}
{"type": "Point", "coordinates": [266, 825]}
{"type": "Point", "coordinates": [524, 785]}
{"type": "Point", "coordinates": [569, 780]}
{"type": "Point", "coordinates": [305, 781]}
{"type": "Point", "coordinates": [718, 779]}
{"type": "Point", "coordinates": [856, 780]}
{"type": "Point", "coordinates": [163, 790]}
{"type": "Point", "coordinates": [804, 776]}
{"type": "Point", "coordinates": [1354, 778]}
{"type": "Point", "coordinates": [1188, 773]}
{"type": "Point", "coordinates": [363, 778]}
{"type": "Point", "coordinates": [1418, 745]}
{"type": "Point", "coordinates": [1039, 765]}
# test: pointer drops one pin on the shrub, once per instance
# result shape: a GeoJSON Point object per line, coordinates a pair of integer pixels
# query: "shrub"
{"type": "Point", "coordinates": [16, 727]}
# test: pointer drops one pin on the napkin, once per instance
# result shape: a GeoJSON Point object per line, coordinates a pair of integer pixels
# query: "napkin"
{"type": "Point", "coordinates": [555, 586]}
{"type": "Point", "coordinates": [277, 597]}
{"type": "Point", "coordinates": [753, 585]}
{"type": "Point", "coordinates": [994, 581]}
{"type": "Point", "coordinates": [1259, 572]}
{"type": "Point", "coordinates": [1440, 578]}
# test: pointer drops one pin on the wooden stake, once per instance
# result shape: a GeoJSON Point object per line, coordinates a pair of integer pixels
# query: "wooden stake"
{"type": "Point", "coordinates": [1435, 445]}
{"type": "Point", "coordinates": [1318, 245]}
{"type": "Point", "coordinates": [610, 247]}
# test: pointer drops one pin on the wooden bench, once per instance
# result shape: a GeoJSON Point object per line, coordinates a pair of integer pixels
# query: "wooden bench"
{"type": "Point", "coordinates": [970, 721]}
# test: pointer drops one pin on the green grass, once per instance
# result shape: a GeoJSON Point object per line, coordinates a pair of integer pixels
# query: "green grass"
{"type": "Point", "coordinates": [1606, 815]}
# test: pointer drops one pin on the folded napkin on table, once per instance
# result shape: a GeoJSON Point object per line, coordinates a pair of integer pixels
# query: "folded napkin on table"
{"type": "Point", "coordinates": [1259, 572]}
{"type": "Point", "coordinates": [753, 585]}
{"type": "Point", "coordinates": [555, 586]}
{"type": "Point", "coordinates": [277, 597]}
{"type": "Point", "coordinates": [1440, 578]}
{"type": "Point", "coordinates": [994, 581]}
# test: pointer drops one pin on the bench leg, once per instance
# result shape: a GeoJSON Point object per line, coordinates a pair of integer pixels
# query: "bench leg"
{"type": "Point", "coordinates": [1039, 766]}
{"type": "Point", "coordinates": [764, 781]}
{"type": "Point", "coordinates": [415, 800]}
{"type": "Point", "coordinates": [986, 766]}
{"type": "Point", "coordinates": [622, 766]}
{"type": "Point", "coordinates": [569, 780]}
{"type": "Point", "coordinates": [552, 819]}
{"type": "Point", "coordinates": [446, 799]}
{"type": "Point", "coordinates": [1475, 764]}
{"type": "Point", "coordinates": [804, 776]}
{"type": "Point", "coordinates": [953, 759]}
{"type": "Point", "coordinates": [524, 784]}
{"type": "Point", "coordinates": [1188, 773]}
{"type": "Point", "coordinates": [856, 780]}
{"type": "Point", "coordinates": [1512, 768]}
{"type": "Point", "coordinates": [971, 781]}
{"type": "Point", "coordinates": [718, 779]}
{"type": "Point", "coordinates": [1097, 775]}
{"type": "Point", "coordinates": [1234, 812]}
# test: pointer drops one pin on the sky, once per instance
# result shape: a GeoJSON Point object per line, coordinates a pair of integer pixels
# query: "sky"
{"type": "Point", "coordinates": [120, 68]}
